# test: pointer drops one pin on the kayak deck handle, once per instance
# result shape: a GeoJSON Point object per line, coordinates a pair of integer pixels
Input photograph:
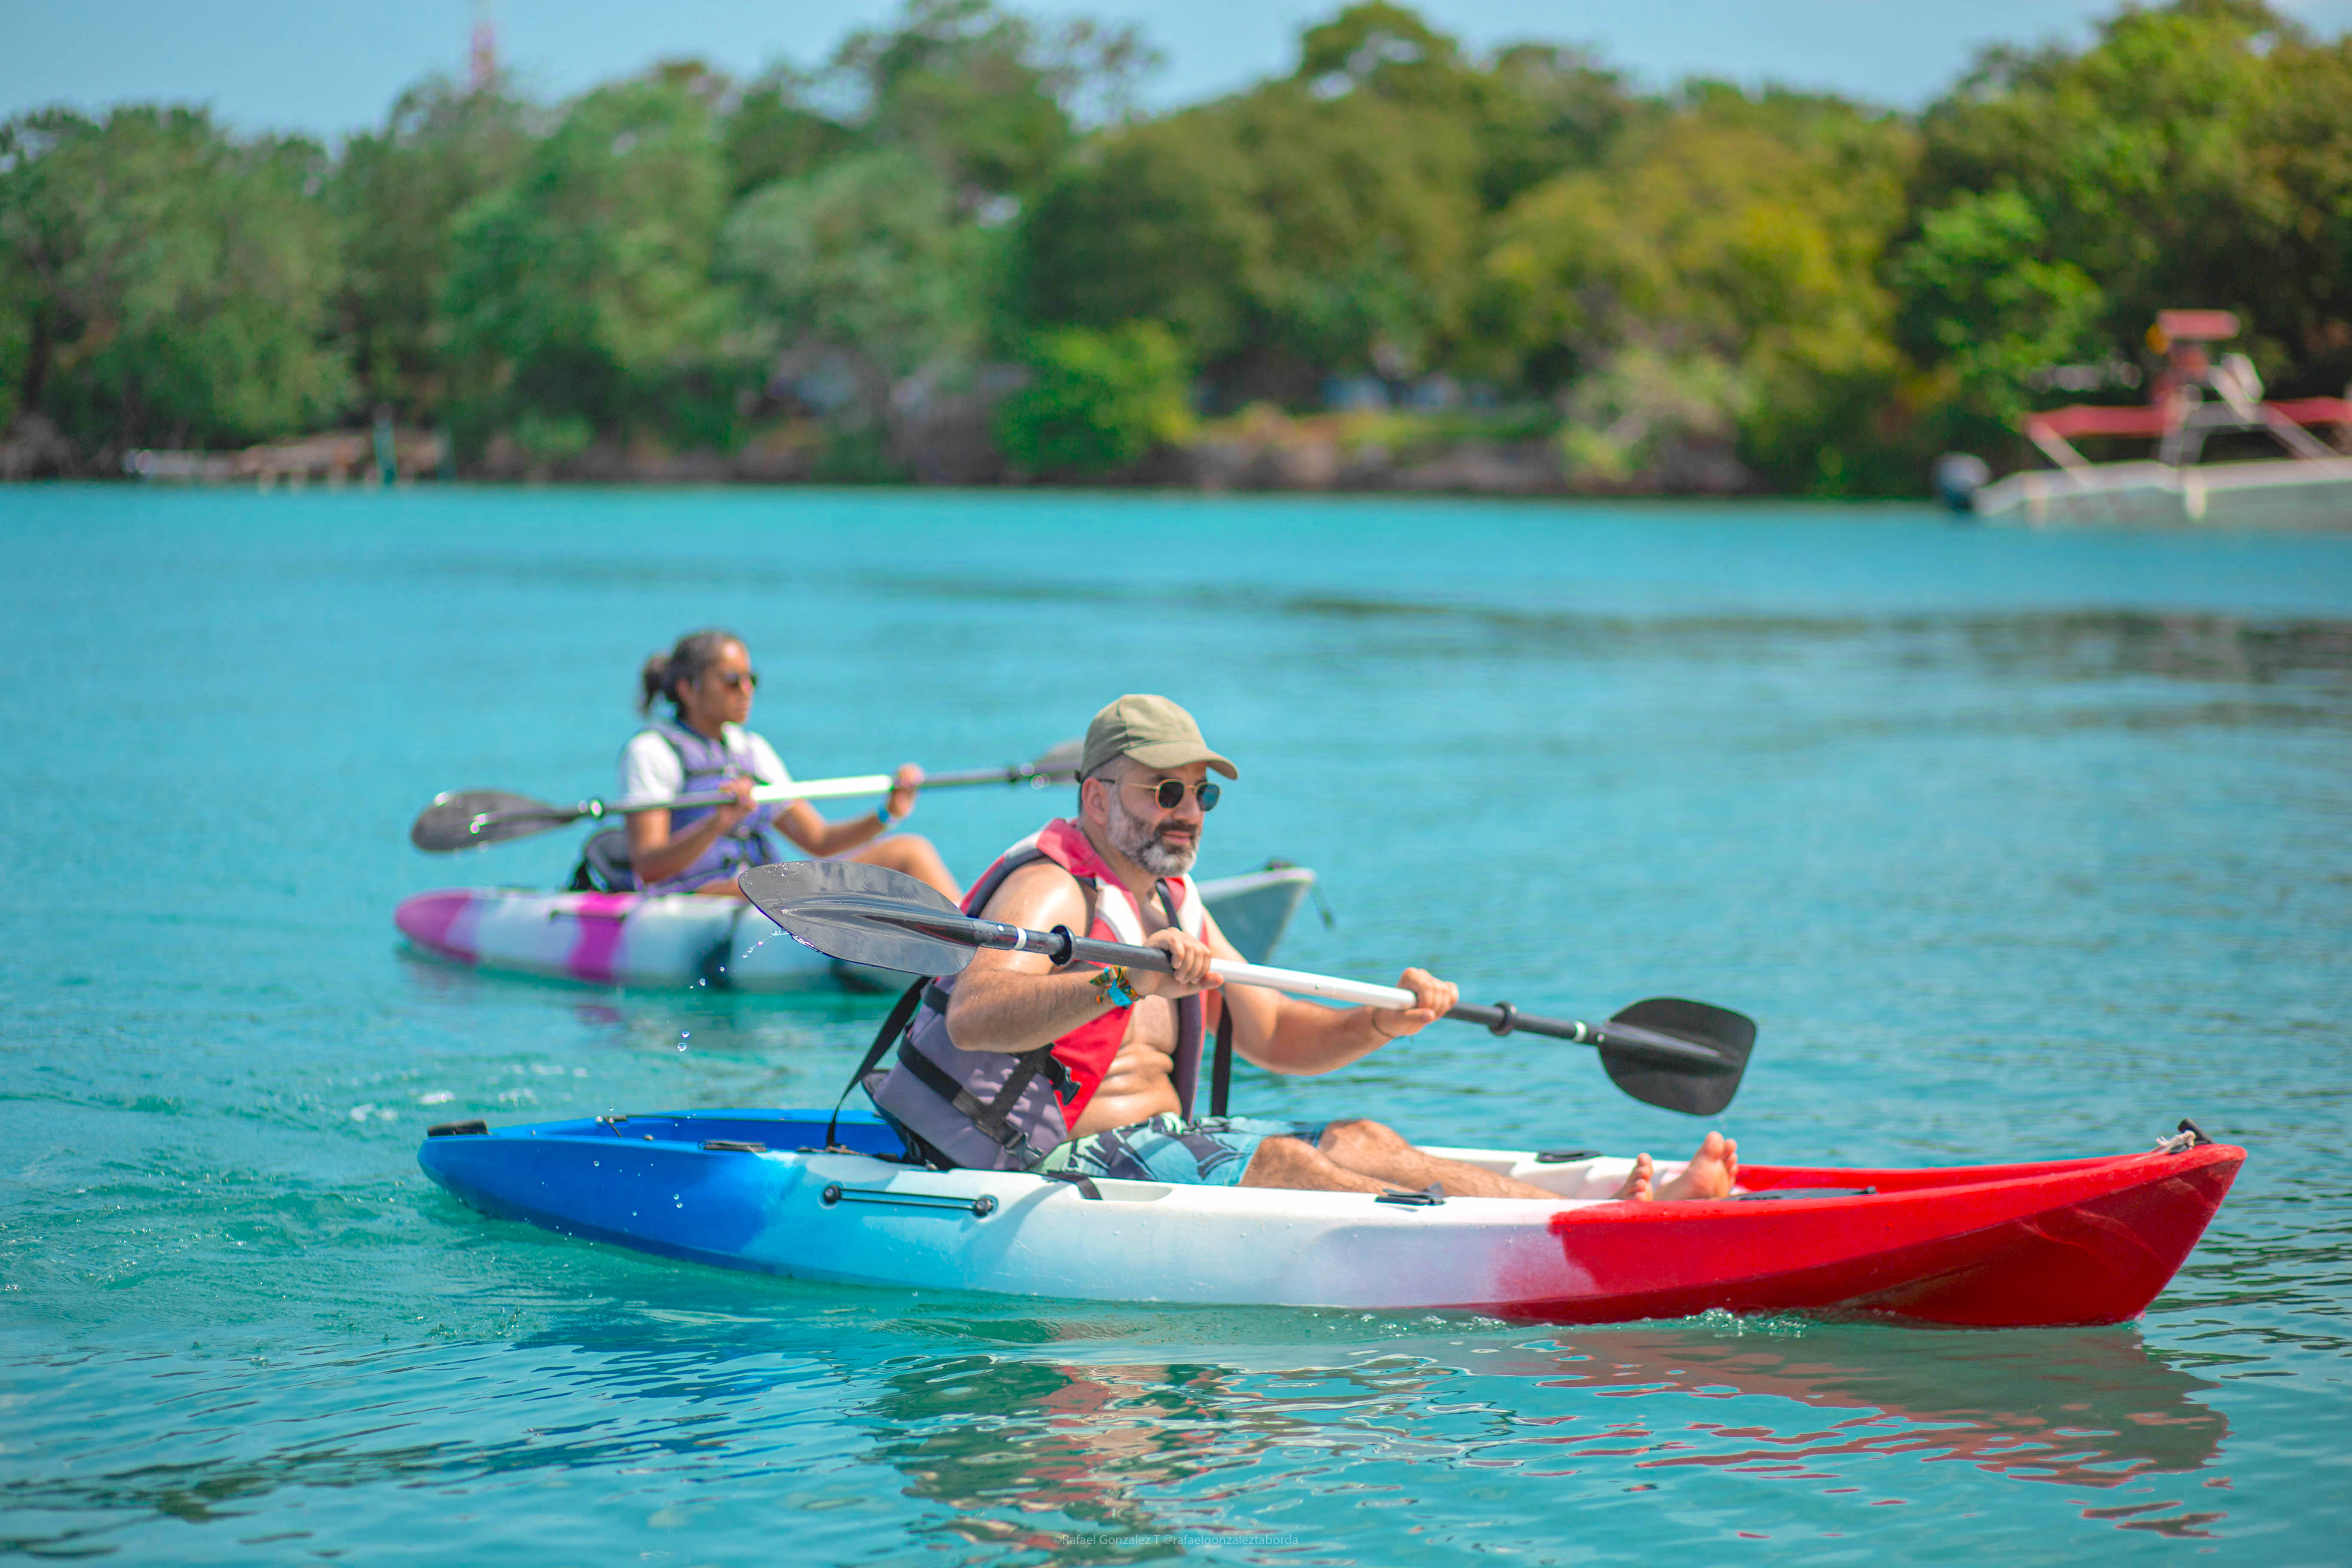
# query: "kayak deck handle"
{"type": "Point", "coordinates": [1772, 1194]}
{"type": "Point", "coordinates": [732, 1146]}
{"type": "Point", "coordinates": [979, 1207]}
{"type": "Point", "coordinates": [2188, 1137]}
{"type": "Point", "coordinates": [1428, 1197]}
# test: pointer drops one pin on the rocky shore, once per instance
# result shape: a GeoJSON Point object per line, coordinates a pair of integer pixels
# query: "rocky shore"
{"type": "Point", "coordinates": [1263, 450]}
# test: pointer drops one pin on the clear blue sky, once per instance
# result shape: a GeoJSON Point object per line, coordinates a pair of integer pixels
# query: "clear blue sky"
{"type": "Point", "coordinates": [328, 66]}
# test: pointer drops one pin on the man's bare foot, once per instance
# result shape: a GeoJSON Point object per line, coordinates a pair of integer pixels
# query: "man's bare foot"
{"type": "Point", "coordinates": [1636, 1189]}
{"type": "Point", "coordinates": [1711, 1173]}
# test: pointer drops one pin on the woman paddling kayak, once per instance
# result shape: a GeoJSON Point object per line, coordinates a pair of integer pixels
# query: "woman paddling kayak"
{"type": "Point", "coordinates": [703, 746]}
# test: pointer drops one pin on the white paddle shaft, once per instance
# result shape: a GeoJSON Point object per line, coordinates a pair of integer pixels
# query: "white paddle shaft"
{"type": "Point", "coordinates": [1303, 984]}
{"type": "Point", "coordinates": [826, 789]}
{"type": "Point", "coordinates": [768, 794]}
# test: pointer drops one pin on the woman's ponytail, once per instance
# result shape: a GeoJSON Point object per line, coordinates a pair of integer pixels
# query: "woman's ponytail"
{"type": "Point", "coordinates": [653, 681]}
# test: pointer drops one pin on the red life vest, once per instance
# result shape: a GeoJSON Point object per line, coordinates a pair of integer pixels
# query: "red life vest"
{"type": "Point", "coordinates": [1006, 1109]}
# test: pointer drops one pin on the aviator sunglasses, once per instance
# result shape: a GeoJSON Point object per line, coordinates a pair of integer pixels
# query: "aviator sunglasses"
{"type": "Point", "coordinates": [747, 681]}
{"type": "Point", "coordinates": [1169, 793]}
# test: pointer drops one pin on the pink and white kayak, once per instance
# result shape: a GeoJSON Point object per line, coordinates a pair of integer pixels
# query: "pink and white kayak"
{"type": "Point", "coordinates": [2059, 1242]}
{"type": "Point", "coordinates": [676, 940]}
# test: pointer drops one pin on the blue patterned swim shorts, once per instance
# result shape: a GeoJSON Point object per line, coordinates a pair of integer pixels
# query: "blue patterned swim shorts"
{"type": "Point", "coordinates": [1204, 1151]}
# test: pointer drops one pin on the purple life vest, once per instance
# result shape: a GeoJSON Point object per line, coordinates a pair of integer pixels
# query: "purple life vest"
{"type": "Point", "coordinates": [709, 763]}
{"type": "Point", "coordinates": [1005, 1110]}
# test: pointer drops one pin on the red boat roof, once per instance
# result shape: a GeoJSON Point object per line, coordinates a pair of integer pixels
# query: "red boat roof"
{"type": "Point", "coordinates": [2147, 419]}
{"type": "Point", "coordinates": [2197, 326]}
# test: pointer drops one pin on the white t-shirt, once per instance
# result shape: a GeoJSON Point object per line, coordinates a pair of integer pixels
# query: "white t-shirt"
{"type": "Point", "coordinates": [650, 769]}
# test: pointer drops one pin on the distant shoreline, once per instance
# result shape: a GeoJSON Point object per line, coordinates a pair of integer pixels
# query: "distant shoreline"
{"type": "Point", "coordinates": [1261, 452]}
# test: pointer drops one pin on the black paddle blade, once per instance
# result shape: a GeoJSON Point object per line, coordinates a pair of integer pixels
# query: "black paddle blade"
{"type": "Point", "coordinates": [1725, 1034]}
{"type": "Point", "coordinates": [846, 911]}
{"type": "Point", "coordinates": [1062, 759]}
{"type": "Point", "coordinates": [454, 820]}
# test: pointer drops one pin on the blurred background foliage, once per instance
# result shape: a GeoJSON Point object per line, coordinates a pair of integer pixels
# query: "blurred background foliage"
{"type": "Point", "coordinates": [961, 222]}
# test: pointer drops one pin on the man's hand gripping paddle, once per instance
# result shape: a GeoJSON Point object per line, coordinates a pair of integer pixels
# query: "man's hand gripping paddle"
{"type": "Point", "coordinates": [1679, 1055]}
{"type": "Point", "coordinates": [470, 819]}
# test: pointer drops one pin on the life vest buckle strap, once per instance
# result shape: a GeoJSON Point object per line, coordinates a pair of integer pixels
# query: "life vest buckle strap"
{"type": "Point", "coordinates": [939, 1088]}
{"type": "Point", "coordinates": [986, 1116]}
{"type": "Point", "coordinates": [902, 1012]}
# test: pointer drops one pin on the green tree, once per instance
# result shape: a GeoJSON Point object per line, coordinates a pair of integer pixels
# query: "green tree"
{"type": "Point", "coordinates": [774, 133]}
{"type": "Point", "coordinates": [170, 283]}
{"type": "Point", "coordinates": [398, 192]}
{"type": "Point", "coordinates": [1157, 221]}
{"type": "Point", "coordinates": [1732, 249]}
{"type": "Point", "coordinates": [581, 291]}
{"type": "Point", "coordinates": [989, 98]}
{"type": "Point", "coordinates": [1983, 294]}
{"type": "Point", "coordinates": [863, 259]}
{"type": "Point", "coordinates": [1323, 221]}
{"type": "Point", "coordinates": [2196, 153]}
{"type": "Point", "coordinates": [1097, 400]}
{"type": "Point", "coordinates": [1547, 111]}
{"type": "Point", "coordinates": [2306, 142]}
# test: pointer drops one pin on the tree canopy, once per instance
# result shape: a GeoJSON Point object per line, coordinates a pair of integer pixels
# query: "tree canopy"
{"type": "Point", "coordinates": [1807, 293]}
{"type": "Point", "coordinates": [167, 282]}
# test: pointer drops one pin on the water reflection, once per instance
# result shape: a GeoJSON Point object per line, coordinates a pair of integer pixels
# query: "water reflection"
{"type": "Point", "coordinates": [1104, 1435]}
{"type": "Point", "coordinates": [1059, 1455]}
{"type": "Point", "coordinates": [2061, 643]}
{"type": "Point", "coordinates": [648, 1017]}
{"type": "Point", "coordinates": [2080, 1408]}
{"type": "Point", "coordinates": [2066, 644]}
{"type": "Point", "coordinates": [1061, 1458]}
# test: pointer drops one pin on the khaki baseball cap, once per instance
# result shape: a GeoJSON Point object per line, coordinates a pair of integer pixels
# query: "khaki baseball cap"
{"type": "Point", "coordinates": [1151, 729]}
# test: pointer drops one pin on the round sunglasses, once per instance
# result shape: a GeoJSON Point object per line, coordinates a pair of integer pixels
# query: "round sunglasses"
{"type": "Point", "coordinates": [1169, 793]}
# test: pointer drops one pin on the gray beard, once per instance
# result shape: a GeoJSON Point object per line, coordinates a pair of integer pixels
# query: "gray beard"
{"type": "Point", "coordinates": [1141, 845]}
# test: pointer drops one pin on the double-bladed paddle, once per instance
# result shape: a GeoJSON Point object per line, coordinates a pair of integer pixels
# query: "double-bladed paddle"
{"type": "Point", "coordinates": [469, 819]}
{"type": "Point", "coordinates": [1677, 1055]}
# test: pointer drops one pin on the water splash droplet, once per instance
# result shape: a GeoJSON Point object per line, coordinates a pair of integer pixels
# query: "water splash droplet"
{"type": "Point", "coordinates": [684, 1036]}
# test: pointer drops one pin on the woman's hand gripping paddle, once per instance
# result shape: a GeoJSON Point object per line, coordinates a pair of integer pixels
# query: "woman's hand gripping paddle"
{"type": "Point", "coordinates": [1680, 1056]}
{"type": "Point", "coordinates": [470, 819]}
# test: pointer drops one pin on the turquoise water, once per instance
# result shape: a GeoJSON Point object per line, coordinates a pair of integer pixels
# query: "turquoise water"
{"type": "Point", "coordinates": [2017, 846]}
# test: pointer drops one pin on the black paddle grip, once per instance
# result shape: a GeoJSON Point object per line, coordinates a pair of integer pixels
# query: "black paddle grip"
{"type": "Point", "coordinates": [1502, 1018]}
{"type": "Point", "coordinates": [1082, 950]}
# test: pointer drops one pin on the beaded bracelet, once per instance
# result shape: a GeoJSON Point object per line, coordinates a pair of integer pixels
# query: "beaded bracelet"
{"type": "Point", "coordinates": [1112, 987]}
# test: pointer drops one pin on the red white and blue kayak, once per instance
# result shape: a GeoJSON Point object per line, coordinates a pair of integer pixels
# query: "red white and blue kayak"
{"type": "Point", "coordinates": [672, 940]}
{"type": "Point", "coordinates": [2063, 1242]}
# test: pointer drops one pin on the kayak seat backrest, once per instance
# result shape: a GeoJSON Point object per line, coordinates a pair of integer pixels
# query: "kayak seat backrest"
{"type": "Point", "coordinates": [605, 864]}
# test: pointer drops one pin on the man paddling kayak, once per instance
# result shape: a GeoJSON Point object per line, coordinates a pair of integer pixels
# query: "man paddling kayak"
{"type": "Point", "coordinates": [977, 1084]}
{"type": "Point", "coordinates": [703, 746]}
